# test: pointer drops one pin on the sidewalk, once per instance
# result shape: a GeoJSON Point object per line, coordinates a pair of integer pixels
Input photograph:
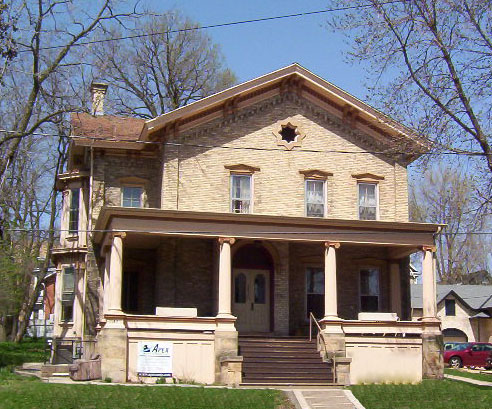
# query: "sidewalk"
{"type": "Point", "coordinates": [326, 399]}
{"type": "Point", "coordinates": [469, 380]}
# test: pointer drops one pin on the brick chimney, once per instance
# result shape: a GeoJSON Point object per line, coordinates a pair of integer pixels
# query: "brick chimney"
{"type": "Point", "coordinates": [98, 92]}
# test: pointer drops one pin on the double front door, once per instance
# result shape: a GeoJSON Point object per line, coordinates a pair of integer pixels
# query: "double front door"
{"type": "Point", "coordinates": [251, 300]}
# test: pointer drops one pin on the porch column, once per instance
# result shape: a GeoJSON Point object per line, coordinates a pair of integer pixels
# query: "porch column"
{"type": "Point", "coordinates": [116, 274]}
{"type": "Point", "coordinates": [106, 282]}
{"type": "Point", "coordinates": [395, 282]}
{"type": "Point", "coordinates": [432, 358]}
{"type": "Point", "coordinates": [429, 285]}
{"type": "Point", "coordinates": [331, 310]}
{"type": "Point", "coordinates": [224, 309]}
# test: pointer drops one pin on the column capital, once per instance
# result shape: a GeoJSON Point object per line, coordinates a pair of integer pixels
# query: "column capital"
{"type": "Point", "coordinates": [333, 244]}
{"type": "Point", "coordinates": [429, 248]}
{"type": "Point", "coordinates": [120, 234]}
{"type": "Point", "coordinates": [230, 240]}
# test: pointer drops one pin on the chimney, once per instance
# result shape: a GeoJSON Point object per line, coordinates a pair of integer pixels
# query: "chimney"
{"type": "Point", "coordinates": [98, 91]}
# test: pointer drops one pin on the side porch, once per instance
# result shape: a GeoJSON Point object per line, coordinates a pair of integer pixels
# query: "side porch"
{"type": "Point", "coordinates": [203, 282]}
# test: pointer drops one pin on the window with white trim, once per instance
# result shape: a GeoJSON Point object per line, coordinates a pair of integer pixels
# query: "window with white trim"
{"type": "Point", "coordinates": [315, 198]}
{"type": "Point", "coordinates": [368, 201]}
{"type": "Point", "coordinates": [131, 196]}
{"type": "Point", "coordinates": [241, 193]}
{"type": "Point", "coordinates": [68, 294]}
{"type": "Point", "coordinates": [315, 291]}
{"type": "Point", "coordinates": [73, 212]}
{"type": "Point", "coordinates": [369, 289]}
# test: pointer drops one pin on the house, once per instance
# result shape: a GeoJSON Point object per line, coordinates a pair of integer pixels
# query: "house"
{"type": "Point", "coordinates": [465, 311]}
{"type": "Point", "coordinates": [42, 316]}
{"type": "Point", "coordinates": [197, 244]}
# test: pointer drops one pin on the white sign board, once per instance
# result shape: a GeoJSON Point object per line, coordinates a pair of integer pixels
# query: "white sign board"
{"type": "Point", "coordinates": [155, 358]}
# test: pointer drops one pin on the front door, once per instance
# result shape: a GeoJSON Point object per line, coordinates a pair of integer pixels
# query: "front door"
{"type": "Point", "coordinates": [251, 302]}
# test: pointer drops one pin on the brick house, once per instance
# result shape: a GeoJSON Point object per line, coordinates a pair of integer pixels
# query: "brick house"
{"type": "Point", "coordinates": [218, 228]}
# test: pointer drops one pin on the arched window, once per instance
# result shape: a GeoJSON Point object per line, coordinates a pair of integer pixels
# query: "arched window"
{"type": "Point", "coordinates": [260, 289]}
{"type": "Point", "coordinates": [240, 289]}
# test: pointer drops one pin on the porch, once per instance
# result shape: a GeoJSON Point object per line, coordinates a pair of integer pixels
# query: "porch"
{"type": "Point", "coordinates": [197, 280]}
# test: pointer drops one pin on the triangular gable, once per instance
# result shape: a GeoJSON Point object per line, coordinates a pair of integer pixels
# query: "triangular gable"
{"type": "Point", "coordinates": [292, 78]}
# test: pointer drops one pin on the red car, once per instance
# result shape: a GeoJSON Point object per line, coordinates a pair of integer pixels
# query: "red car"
{"type": "Point", "coordinates": [469, 354]}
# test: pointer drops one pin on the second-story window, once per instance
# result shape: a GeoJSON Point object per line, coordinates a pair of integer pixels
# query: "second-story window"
{"type": "Point", "coordinates": [315, 198]}
{"type": "Point", "coordinates": [368, 201]}
{"type": "Point", "coordinates": [73, 220]}
{"type": "Point", "coordinates": [131, 196]}
{"type": "Point", "coordinates": [241, 186]}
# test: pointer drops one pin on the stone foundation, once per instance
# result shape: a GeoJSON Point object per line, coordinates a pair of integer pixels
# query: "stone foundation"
{"type": "Point", "coordinates": [112, 345]}
{"type": "Point", "coordinates": [432, 356]}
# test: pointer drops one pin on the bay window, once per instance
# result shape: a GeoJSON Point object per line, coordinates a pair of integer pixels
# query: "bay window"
{"type": "Point", "coordinates": [68, 294]}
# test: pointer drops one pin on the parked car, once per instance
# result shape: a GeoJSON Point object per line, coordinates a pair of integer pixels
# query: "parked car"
{"type": "Point", "coordinates": [468, 354]}
{"type": "Point", "coordinates": [452, 345]}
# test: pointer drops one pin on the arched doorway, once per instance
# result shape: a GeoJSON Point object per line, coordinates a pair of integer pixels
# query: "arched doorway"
{"type": "Point", "coordinates": [454, 335]}
{"type": "Point", "coordinates": [252, 288]}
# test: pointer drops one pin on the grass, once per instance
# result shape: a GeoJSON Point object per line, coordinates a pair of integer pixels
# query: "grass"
{"type": "Point", "coordinates": [25, 351]}
{"type": "Point", "coordinates": [487, 377]}
{"type": "Point", "coordinates": [430, 394]}
{"type": "Point", "coordinates": [24, 393]}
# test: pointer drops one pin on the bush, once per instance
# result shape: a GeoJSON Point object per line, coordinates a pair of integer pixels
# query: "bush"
{"type": "Point", "coordinates": [12, 353]}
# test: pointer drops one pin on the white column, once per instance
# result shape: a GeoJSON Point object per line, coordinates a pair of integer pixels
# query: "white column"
{"type": "Point", "coordinates": [331, 309]}
{"type": "Point", "coordinates": [429, 285]}
{"type": "Point", "coordinates": [225, 283]}
{"type": "Point", "coordinates": [106, 283]}
{"type": "Point", "coordinates": [395, 283]}
{"type": "Point", "coordinates": [78, 313]}
{"type": "Point", "coordinates": [116, 274]}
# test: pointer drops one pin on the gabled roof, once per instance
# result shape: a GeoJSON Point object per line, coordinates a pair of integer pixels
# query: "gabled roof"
{"type": "Point", "coordinates": [476, 297]}
{"type": "Point", "coordinates": [293, 78]}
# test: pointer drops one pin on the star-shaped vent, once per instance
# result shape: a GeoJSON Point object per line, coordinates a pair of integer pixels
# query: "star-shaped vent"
{"type": "Point", "coordinates": [288, 133]}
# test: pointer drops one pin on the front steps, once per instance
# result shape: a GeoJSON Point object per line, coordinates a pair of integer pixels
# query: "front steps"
{"type": "Point", "coordinates": [283, 361]}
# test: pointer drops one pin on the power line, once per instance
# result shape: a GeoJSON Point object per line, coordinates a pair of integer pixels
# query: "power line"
{"type": "Point", "coordinates": [218, 233]}
{"type": "Point", "coordinates": [219, 25]}
{"type": "Point", "coordinates": [255, 148]}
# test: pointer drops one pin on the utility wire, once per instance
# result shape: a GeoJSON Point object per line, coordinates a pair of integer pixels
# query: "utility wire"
{"type": "Point", "coordinates": [219, 25]}
{"type": "Point", "coordinates": [255, 148]}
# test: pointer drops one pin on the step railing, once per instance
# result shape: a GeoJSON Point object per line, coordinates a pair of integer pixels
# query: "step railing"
{"type": "Point", "coordinates": [320, 338]}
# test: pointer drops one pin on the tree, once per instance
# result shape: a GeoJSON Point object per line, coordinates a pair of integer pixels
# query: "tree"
{"type": "Point", "coordinates": [8, 46]}
{"type": "Point", "coordinates": [50, 30]}
{"type": "Point", "coordinates": [430, 66]}
{"type": "Point", "coordinates": [449, 196]}
{"type": "Point", "coordinates": [153, 74]}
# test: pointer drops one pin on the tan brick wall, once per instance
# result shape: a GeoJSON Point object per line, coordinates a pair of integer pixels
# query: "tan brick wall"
{"type": "Point", "coordinates": [204, 183]}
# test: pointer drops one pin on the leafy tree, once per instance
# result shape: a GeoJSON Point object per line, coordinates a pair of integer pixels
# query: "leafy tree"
{"type": "Point", "coordinates": [153, 74]}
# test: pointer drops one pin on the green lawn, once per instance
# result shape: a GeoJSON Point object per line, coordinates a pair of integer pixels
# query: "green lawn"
{"type": "Point", "coordinates": [430, 394]}
{"type": "Point", "coordinates": [27, 393]}
{"type": "Point", "coordinates": [26, 351]}
{"type": "Point", "coordinates": [480, 376]}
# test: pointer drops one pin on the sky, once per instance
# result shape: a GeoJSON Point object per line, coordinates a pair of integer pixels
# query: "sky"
{"type": "Point", "coordinates": [255, 49]}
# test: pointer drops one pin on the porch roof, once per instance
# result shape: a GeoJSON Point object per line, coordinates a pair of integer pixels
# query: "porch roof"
{"type": "Point", "coordinates": [158, 222]}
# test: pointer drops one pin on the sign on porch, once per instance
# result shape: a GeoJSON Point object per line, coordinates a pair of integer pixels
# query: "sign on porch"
{"type": "Point", "coordinates": [155, 358]}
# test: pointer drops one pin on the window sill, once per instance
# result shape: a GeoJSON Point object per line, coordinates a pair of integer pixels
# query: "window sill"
{"type": "Point", "coordinates": [72, 237]}
{"type": "Point", "coordinates": [67, 324]}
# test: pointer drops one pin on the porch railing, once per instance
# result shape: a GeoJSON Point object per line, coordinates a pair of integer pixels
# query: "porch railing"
{"type": "Point", "coordinates": [320, 336]}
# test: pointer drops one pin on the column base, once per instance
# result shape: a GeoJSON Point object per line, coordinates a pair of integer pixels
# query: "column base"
{"type": "Point", "coordinates": [226, 347]}
{"type": "Point", "coordinates": [225, 322]}
{"type": "Point", "coordinates": [432, 356]}
{"type": "Point", "coordinates": [112, 344]}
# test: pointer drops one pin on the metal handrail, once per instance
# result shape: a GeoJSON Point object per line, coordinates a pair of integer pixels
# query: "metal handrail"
{"type": "Point", "coordinates": [322, 336]}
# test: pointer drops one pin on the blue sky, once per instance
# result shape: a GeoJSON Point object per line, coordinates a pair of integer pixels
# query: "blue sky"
{"type": "Point", "coordinates": [255, 49]}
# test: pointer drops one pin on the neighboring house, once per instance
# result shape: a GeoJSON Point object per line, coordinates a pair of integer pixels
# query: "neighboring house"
{"type": "Point", "coordinates": [226, 222]}
{"type": "Point", "coordinates": [42, 317]}
{"type": "Point", "coordinates": [465, 311]}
